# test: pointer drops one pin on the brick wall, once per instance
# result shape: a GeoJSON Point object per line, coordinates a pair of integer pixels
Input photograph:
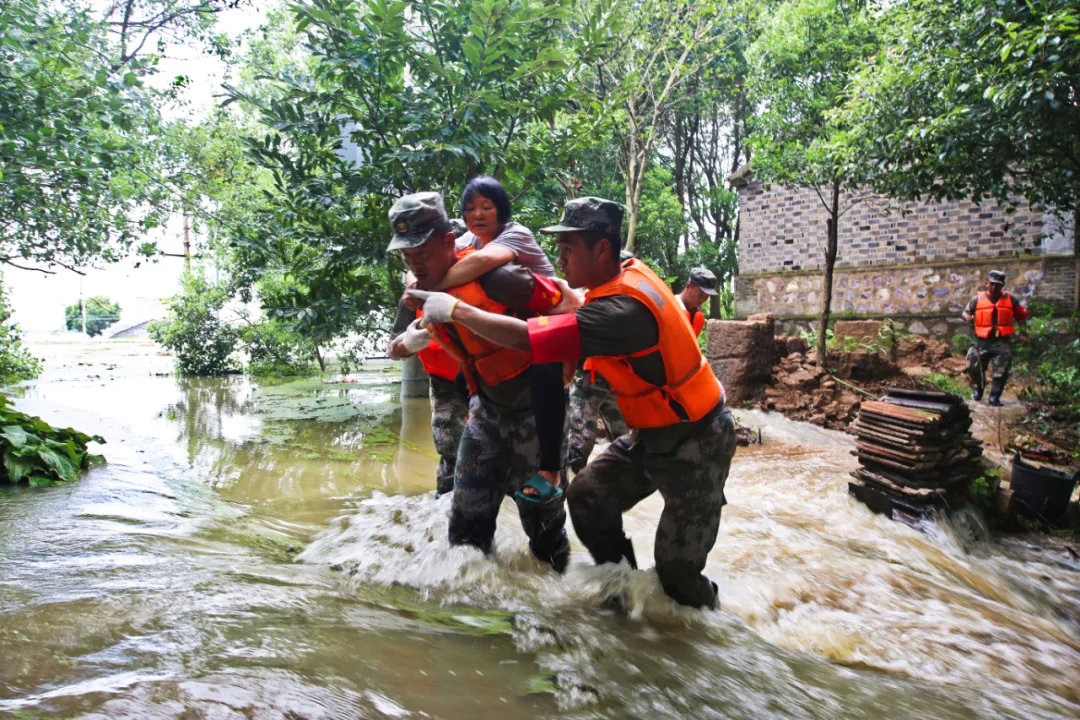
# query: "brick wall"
{"type": "Point", "coordinates": [784, 229]}
{"type": "Point", "coordinates": [918, 259]}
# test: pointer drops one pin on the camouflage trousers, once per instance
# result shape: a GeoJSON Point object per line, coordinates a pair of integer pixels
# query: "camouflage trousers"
{"type": "Point", "coordinates": [448, 412]}
{"type": "Point", "coordinates": [590, 401]}
{"type": "Point", "coordinates": [499, 452]}
{"type": "Point", "coordinates": [991, 351]}
{"type": "Point", "coordinates": [690, 479]}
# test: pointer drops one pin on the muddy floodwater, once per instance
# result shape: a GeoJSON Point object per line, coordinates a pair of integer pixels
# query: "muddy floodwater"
{"type": "Point", "coordinates": [258, 549]}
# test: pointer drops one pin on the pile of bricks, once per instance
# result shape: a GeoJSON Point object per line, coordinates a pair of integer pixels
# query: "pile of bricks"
{"type": "Point", "coordinates": [915, 452]}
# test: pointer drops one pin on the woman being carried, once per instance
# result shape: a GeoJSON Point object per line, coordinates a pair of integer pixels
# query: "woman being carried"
{"type": "Point", "coordinates": [498, 240]}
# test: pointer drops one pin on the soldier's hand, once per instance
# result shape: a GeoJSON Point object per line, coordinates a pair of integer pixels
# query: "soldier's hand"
{"type": "Point", "coordinates": [415, 338]}
{"type": "Point", "coordinates": [571, 298]}
{"type": "Point", "coordinates": [412, 303]}
{"type": "Point", "coordinates": [438, 306]}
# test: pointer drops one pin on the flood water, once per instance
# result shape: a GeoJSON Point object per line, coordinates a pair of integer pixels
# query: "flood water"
{"type": "Point", "coordinates": [268, 550]}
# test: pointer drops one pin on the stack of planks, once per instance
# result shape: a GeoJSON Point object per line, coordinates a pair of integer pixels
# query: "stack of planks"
{"type": "Point", "coordinates": [915, 452]}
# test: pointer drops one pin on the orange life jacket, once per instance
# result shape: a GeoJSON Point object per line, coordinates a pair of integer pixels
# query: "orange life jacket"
{"type": "Point", "coordinates": [697, 320]}
{"type": "Point", "coordinates": [984, 315]}
{"type": "Point", "coordinates": [437, 360]}
{"type": "Point", "coordinates": [691, 383]}
{"type": "Point", "coordinates": [493, 363]}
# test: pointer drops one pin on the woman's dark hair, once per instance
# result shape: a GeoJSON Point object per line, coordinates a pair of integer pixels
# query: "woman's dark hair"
{"type": "Point", "coordinates": [493, 190]}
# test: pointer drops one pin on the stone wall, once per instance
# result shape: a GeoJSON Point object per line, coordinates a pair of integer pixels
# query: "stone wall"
{"type": "Point", "coordinates": [741, 354]}
{"type": "Point", "coordinates": [917, 263]}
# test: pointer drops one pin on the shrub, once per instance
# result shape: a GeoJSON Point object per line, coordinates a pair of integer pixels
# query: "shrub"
{"type": "Point", "coordinates": [961, 343]}
{"type": "Point", "coordinates": [194, 331]}
{"type": "Point", "coordinates": [948, 384]}
{"type": "Point", "coordinates": [274, 348]}
{"type": "Point", "coordinates": [37, 452]}
{"type": "Point", "coordinates": [16, 362]}
{"type": "Point", "coordinates": [100, 314]}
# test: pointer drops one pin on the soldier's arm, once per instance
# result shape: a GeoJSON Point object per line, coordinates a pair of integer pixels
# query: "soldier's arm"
{"type": "Point", "coordinates": [395, 349]}
{"type": "Point", "coordinates": [969, 311]}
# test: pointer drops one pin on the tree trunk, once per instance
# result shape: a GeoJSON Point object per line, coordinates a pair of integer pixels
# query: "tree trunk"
{"type": "Point", "coordinates": [319, 357]}
{"type": "Point", "coordinates": [830, 262]}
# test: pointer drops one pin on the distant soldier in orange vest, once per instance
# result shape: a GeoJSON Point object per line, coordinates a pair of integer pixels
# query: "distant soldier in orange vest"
{"type": "Point", "coordinates": [638, 337]}
{"type": "Point", "coordinates": [994, 314]}
{"type": "Point", "coordinates": [699, 287]}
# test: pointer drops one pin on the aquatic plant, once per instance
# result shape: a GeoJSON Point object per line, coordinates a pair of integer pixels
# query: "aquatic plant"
{"type": "Point", "coordinates": [37, 452]}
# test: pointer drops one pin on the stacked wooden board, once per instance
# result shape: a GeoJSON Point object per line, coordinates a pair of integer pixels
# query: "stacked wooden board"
{"type": "Point", "coordinates": [915, 452]}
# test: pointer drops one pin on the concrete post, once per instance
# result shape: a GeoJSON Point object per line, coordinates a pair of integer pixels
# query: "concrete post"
{"type": "Point", "coordinates": [414, 381]}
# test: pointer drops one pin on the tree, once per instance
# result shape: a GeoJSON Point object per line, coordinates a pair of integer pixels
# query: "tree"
{"type": "Point", "coordinates": [100, 314]}
{"type": "Point", "coordinates": [972, 98]}
{"type": "Point", "coordinates": [801, 65]}
{"type": "Point", "coordinates": [193, 328]}
{"type": "Point", "coordinates": [80, 175]}
{"type": "Point", "coordinates": [426, 96]}
{"type": "Point", "coordinates": [661, 43]}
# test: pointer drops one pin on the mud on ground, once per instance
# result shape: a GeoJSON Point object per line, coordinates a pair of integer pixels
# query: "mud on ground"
{"type": "Point", "coordinates": [802, 389]}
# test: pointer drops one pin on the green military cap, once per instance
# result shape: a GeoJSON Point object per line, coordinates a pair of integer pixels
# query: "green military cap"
{"type": "Point", "coordinates": [704, 279]}
{"type": "Point", "coordinates": [589, 213]}
{"type": "Point", "coordinates": [414, 217]}
{"type": "Point", "coordinates": [458, 226]}
{"type": "Point", "coordinates": [996, 276]}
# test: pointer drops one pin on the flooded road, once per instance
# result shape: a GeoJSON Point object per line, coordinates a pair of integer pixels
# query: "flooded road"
{"type": "Point", "coordinates": [273, 550]}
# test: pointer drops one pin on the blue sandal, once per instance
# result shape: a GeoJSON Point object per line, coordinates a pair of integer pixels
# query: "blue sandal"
{"type": "Point", "coordinates": [546, 491]}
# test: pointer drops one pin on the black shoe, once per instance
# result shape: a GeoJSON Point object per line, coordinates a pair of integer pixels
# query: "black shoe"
{"type": "Point", "coordinates": [976, 394]}
{"type": "Point", "coordinates": [995, 401]}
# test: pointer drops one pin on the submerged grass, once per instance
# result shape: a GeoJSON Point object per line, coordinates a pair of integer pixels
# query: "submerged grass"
{"type": "Point", "coordinates": [463, 619]}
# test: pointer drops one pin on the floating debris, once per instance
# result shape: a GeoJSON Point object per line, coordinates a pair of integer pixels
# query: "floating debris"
{"type": "Point", "coordinates": [915, 451]}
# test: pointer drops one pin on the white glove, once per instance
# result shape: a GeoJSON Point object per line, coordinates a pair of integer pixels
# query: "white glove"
{"type": "Point", "coordinates": [438, 306]}
{"type": "Point", "coordinates": [415, 338]}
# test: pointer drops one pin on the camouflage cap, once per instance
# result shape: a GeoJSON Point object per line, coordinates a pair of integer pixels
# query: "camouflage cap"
{"type": "Point", "coordinates": [414, 217]}
{"type": "Point", "coordinates": [704, 279]}
{"type": "Point", "coordinates": [996, 276]}
{"type": "Point", "coordinates": [458, 226]}
{"type": "Point", "coordinates": [589, 213]}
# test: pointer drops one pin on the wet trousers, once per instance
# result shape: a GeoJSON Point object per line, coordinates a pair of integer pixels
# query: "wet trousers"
{"type": "Point", "coordinates": [690, 479]}
{"type": "Point", "coordinates": [448, 411]}
{"type": "Point", "coordinates": [498, 454]}
{"type": "Point", "coordinates": [989, 351]}
{"type": "Point", "coordinates": [591, 401]}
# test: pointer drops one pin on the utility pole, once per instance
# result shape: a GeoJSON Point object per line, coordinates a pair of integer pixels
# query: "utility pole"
{"type": "Point", "coordinates": [82, 306]}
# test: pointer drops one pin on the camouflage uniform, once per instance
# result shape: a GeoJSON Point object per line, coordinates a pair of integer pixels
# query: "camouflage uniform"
{"type": "Point", "coordinates": [448, 412]}
{"type": "Point", "coordinates": [996, 351]}
{"type": "Point", "coordinates": [498, 454]}
{"type": "Point", "coordinates": [591, 399]}
{"type": "Point", "coordinates": [691, 480]}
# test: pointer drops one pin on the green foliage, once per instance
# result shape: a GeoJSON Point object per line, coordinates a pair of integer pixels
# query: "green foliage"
{"type": "Point", "coordinates": [948, 384]}
{"type": "Point", "coordinates": [482, 80]}
{"type": "Point", "coordinates": [100, 314]}
{"type": "Point", "coordinates": [981, 490]}
{"type": "Point", "coordinates": [194, 331]}
{"type": "Point", "coordinates": [961, 343]}
{"type": "Point", "coordinates": [274, 348]}
{"type": "Point", "coordinates": [1050, 360]}
{"type": "Point", "coordinates": [972, 98]}
{"type": "Point", "coordinates": [16, 362]}
{"type": "Point", "coordinates": [81, 159]}
{"type": "Point", "coordinates": [884, 343]}
{"type": "Point", "coordinates": [38, 453]}
{"type": "Point", "coordinates": [801, 64]}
